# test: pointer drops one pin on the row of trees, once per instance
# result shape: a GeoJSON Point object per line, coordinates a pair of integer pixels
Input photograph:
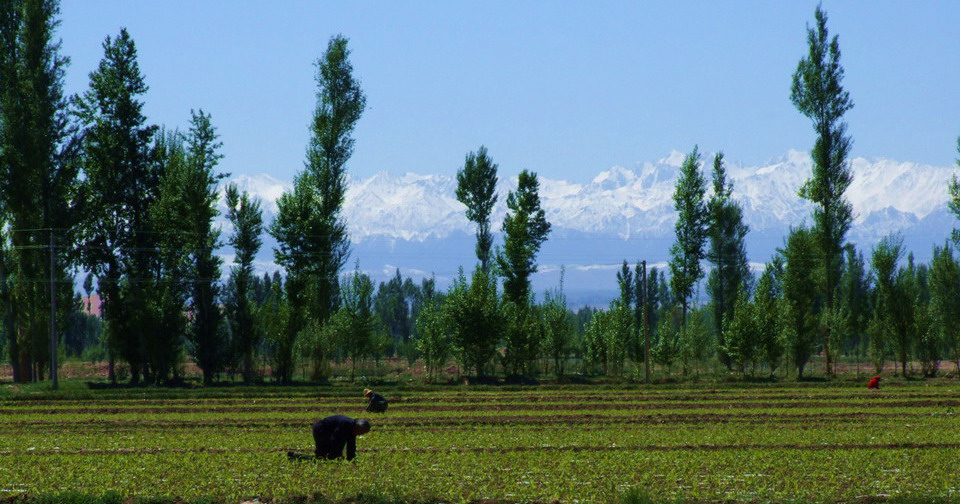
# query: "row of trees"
{"type": "Point", "coordinates": [88, 184]}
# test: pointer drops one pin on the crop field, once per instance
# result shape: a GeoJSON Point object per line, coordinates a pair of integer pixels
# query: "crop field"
{"type": "Point", "coordinates": [576, 443]}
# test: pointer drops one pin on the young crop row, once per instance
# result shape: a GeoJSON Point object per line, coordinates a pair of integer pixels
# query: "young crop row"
{"type": "Point", "coordinates": [939, 432]}
{"type": "Point", "coordinates": [533, 475]}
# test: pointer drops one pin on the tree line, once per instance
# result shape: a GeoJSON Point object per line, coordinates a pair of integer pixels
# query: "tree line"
{"type": "Point", "coordinates": [88, 184]}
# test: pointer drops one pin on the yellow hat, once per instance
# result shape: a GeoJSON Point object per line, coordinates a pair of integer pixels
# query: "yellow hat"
{"type": "Point", "coordinates": [367, 391]}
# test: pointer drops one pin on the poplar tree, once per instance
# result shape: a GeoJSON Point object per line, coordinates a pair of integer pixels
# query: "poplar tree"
{"type": "Point", "coordinates": [558, 326]}
{"type": "Point", "coordinates": [945, 300]}
{"type": "Point", "coordinates": [246, 218]}
{"type": "Point", "coordinates": [119, 184]}
{"type": "Point", "coordinates": [475, 322]}
{"type": "Point", "coordinates": [169, 288]}
{"type": "Point", "coordinates": [727, 252]}
{"type": "Point", "coordinates": [799, 310]}
{"type": "Point", "coordinates": [38, 178]}
{"type": "Point", "coordinates": [691, 232]}
{"type": "Point", "coordinates": [854, 292]}
{"type": "Point", "coordinates": [311, 233]}
{"type": "Point", "coordinates": [817, 92]}
{"type": "Point", "coordinates": [954, 203]}
{"type": "Point", "coordinates": [206, 335]}
{"type": "Point", "coordinates": [526, 228]}
{"type": "Point", "coordinates": [476, 189]}
{"type": "Point", "coordinates": [766, 300]}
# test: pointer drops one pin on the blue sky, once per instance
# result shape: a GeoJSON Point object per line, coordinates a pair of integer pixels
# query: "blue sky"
{"type": "Point", "coordinates": [566, 89]}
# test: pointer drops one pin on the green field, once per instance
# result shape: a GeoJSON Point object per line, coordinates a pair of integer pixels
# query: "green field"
{"type": "Point", "coordinates": [575, 443]}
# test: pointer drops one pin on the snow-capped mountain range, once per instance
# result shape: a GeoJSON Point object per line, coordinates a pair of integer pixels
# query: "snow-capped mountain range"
{"type": "Point", "coordinates": [414, 222]}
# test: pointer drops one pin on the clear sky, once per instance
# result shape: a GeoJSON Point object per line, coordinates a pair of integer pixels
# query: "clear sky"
{"type": "Point", "coordinates": [566, 89]}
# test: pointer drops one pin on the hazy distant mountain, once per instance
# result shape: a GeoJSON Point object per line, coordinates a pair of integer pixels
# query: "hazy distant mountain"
{"type": "Point", "coordinates": [414, 222]}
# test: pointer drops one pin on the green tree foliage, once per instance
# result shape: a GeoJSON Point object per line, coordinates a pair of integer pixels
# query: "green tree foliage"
{"type": "Point", "coordinates": [526, 228]}
{"type": "Point", "coordinates": [475, 322]}
{"type": "Point", "coordinates": [818, 94]}
{"type": "Point", "coordinates": [667, 348]}
{"type": "Point", "coordinates": [120, 182]}
{"type": "Point", "coordinates": [945, 302]}
{"type": "Point", "coordinates": [596, 343]}
{"type": "Point", "coordinates": [523, 337]}
{"type": "Point", "coordinates": [38, 178]}
{"type": "Point", "coordinates": [433, 342]}
{"type": "Point", "coordinates": [910, 290]}
{"type": "Point", "coordinates": [800, 300]}
{"type": "Point", "coordinates": [246, 217]}
{"type": "Point", "coordinates": [691, 231]}
{"type": "Point", "coordinates": [696, 342]}
{"type": "Point", "coordinates": [206, 336]}
{"type": "Point", "coordinates": [954, 203]}
{"type": "Point", "coordinates": [559, 328]}
{"type": "Point", "coordinates": [419, 296]}
{"type": "Point", "coordinates": [767, 299]}
{"type": "Point", "coordinates": [640, 316]}
{"type": "Point", "coordinates": [854, 300]}
{"type": "Point", "coordinates": [727, 252]}
{"type": "Point", "coordinates": [355, 321]}
{"type": "Point", "coordinates": [274, 315]}
{"type": "Point", "coordinates": [654, 299]}
{"type": "Point", "coordinates": [393, 304]}
{"type": "Point", "coordinates": [313, 244]}
{"type": "Point", "coordinates": [168, 292]}
{"type": "Point", "coordinates": [476, 189]}
{"type": "Point", "coordinates": [741, 341]}
{"type": "Point", "coordinates": [886, 271]}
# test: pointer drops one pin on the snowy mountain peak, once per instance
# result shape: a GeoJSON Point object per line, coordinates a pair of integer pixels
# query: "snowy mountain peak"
{"type": "Point", "coordinates": [628, 203]}
{"type": "Point", "coordinates": [674, 159]}
{"type": "Point", "coordinates": [614, 178]}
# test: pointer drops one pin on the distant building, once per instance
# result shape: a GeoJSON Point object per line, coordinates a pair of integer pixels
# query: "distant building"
{"type": "Point", "coordinates": [91, 305]}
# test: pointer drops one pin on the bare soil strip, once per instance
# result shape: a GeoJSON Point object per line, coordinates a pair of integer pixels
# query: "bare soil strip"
{"type": "Point", "coordinates": [455, 422]}
{"type": "Point", "coordinates": [491, 407]}
{"type": "Point", "coordinates": [513, 449]}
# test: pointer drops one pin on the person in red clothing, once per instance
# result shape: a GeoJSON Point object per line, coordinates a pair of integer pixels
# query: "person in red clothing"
{"type": "Point", "coordinates": [874, 383]}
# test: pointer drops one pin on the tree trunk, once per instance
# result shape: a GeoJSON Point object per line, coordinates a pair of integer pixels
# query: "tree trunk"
{"type": "Point", "coordinates": [826, 349]}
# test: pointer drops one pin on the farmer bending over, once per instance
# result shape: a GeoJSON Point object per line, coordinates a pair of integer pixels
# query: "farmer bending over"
{"type": "Point", "coordinates": [376, 403]}
{"type": "Point", "coordinates": [874, 383]}
{"type": "Point", "coordinates": [335, 431]}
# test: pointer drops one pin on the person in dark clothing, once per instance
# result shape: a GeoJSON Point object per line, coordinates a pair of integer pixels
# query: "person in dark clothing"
{"type": "Point", "coordinates": [376, 403]}
{"type": "Point", "coordinates": [334, 432]}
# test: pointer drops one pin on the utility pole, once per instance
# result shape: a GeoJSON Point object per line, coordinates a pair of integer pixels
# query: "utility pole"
{"type": "Point", "coordinates": [646, 328]}
{"type": "Point", "coordinates": [53, 316]}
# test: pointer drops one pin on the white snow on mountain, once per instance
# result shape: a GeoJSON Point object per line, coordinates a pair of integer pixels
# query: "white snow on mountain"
{"type": "Point", "coordinates": [628, 202]}
{"type": "Point", "coordinates": [416, 223]}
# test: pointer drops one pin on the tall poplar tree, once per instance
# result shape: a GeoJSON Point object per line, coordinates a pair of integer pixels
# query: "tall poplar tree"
{"type": "Point", "coordinates": [206, 336]}
{"type": "Point", "coordinates": [313, 244]}
{"type": "Point", "coordinates": [169, 287]}
{"type": "Point", "coordinates": [818, 94]}
{"type": "Point", "coordinates": [691, 232]}
{"type": "Point", "coordinates": [799, 302]}
{"type": "Point", "coordinates": [38, 177]}
{"type": "Point", "coordinates": [118, 184]}
{"type": "Point", "coordinates": [727, 252]}
{"type": "Point", "coordinates": [476, 189]}
{"type": "Point", "coordinates": [945, 300]}
{"type": "Point", "coordinates": [247, 220]}
{"type": "Point", "coordinates": [526, 228]}
{"type": "Point", "coordinates": [954, 203]}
